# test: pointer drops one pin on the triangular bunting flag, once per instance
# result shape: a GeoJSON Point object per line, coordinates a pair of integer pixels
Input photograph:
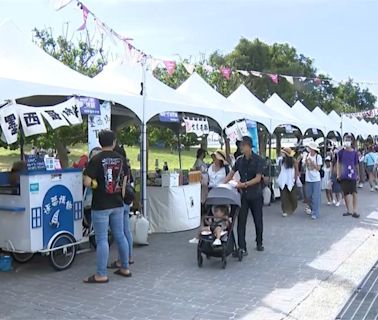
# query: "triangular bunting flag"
{"type": "Point", "coordinates": [170, 66]}
{"type": "Point", "coordinates": [85, 17]}
{"type": "Point", "coordinates": [60, 4]}
{"type": "Point", "coordinates": [317, 81]}
{"type": "Point", "coordinates": [208, 68]}
{"type": "Point", "coordinates": [244, 73]}
{"type": "Point", "coordinates": [189, 67]}
{"type": "Point", "coordinates": [226, 72]}
{"type": "Point", "coordinates": [273, 77]}
{"type": "Point", "coordinates": [256, 74]}
{"type": "Point", "coordinates": [289, 79]}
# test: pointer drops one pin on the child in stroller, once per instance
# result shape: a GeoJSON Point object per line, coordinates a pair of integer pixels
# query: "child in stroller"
{"type": "Point", "coordinates": [217, 239]}
{"type": "Point", "coordinates": [217, 224]}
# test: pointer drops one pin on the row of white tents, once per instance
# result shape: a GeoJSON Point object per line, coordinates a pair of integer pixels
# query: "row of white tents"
{"type": "Point", "coordinates": [26, 70]}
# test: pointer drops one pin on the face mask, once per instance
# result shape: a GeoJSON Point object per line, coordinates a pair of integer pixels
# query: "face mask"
{"type": "Point", "coordinates": [347, 144]}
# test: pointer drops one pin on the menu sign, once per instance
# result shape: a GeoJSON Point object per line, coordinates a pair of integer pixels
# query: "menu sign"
{"type": "Point", "coordinates": [35, 163]}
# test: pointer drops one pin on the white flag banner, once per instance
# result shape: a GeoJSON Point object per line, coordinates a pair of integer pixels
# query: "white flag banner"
{"type": "Point", "coordinates": [54, 115]}
{"type": "Point", "coordinates": [198, 126]}
{"type": "Point", "coordinates": [189, 67]}
{"type": "Point", "coordinates": [71, 111]}
{"type": "Point", "coordinates": [9, 121]}
{"type": "Point", "coordinates": [60, 4]}
{"type": "Point", "coordinates": [256, 74]}
{"type": "Point", "coordinates": [153, 64]}
{"type": "Point", "coordinates": [289, 79]}
{"type": "Point", "coordinates": [208, 68]}
{"type": "Point", "coordinates": [96, 123]}
{"type": "Point", "coordinates": [244, 73]}
{"type": "Point", "coordinates": [237, 131]}
{"type": "Point", "coordinates": [31, 120]}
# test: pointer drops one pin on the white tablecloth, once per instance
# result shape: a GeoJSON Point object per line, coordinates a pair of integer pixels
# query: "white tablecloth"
{"type": "Point", "coordinates": [172, 209]}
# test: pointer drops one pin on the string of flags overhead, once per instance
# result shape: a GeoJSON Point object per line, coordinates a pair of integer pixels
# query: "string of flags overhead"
{"type": "Point", "coordinates": [138, 56]}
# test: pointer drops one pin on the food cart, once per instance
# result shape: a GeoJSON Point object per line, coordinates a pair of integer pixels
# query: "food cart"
{"type": "Point", "coordinates": [43, 214]}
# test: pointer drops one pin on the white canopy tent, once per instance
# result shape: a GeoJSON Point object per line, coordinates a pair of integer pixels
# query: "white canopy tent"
{"type": "Point", "coordinates": [324, 118]}
{"type": "Point", "coordinates": [280, 108]}
{"type": "Point", "coordinates": [197, 88]}
{"type": "Point", "coordinates": [26, 70]}
{"type": "Point", "coordinates": [303, 113]}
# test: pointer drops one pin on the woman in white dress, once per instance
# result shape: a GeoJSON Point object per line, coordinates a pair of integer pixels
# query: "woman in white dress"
{"type": "Point", "coordinates": [218, 170]}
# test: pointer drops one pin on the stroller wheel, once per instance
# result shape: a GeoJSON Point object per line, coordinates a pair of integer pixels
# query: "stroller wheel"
{"type": "Point", "coordinates": [240, 255]}
{"type": "Point", "coordinates": [224, 262]}
{"type": "Point", "coordinates": [199, 259]}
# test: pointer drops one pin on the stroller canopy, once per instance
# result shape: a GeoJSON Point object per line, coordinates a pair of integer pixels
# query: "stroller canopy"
{"type": "Point", "coordinates": [223, 194]}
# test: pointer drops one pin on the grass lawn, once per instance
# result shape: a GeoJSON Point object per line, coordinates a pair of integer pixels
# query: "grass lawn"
{"type": "Point", "coordinates": [7, 157]}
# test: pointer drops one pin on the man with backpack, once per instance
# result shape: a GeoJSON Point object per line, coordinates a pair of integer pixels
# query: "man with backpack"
{"type": "Point", "coordinates": [313, 163]}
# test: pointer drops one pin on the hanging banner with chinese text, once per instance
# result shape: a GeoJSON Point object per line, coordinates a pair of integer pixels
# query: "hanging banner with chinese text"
{"type": "Point", "coordinates": [31, 120]}
{"type": "Point", "coordinates": [237, 131]}
{"type": "Point", "coordinates": [253, 133]}
{"type": "Point", "coordinates": [169, 117]}
{"type": "Point", "coordinates": [54, 114]}
{"type": "Point", "coordinates": [198, 126]}
{"type": "Point", "coordinates": [88, 105]}
{"type": "Point", "coordinates": [96, 123]}
{"type": "Point", "coordinates": [9, 121]}
{"type": "Point", "coordinates": [71, 111]}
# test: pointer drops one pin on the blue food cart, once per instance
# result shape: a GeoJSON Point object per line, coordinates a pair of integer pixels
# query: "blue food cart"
{"type": "Point", "coordinates": [42, 214]}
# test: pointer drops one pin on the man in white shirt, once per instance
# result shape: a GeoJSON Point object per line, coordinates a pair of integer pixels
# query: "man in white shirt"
{"type": "Point", "coordinates": [313, 163]}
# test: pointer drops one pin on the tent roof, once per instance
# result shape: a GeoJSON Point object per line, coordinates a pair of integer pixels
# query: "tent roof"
{"type": "Point", "coordinates": [247, 102]}
{"type": "Point", "coordinates": [303, 113]}
{"type": "Point", "coordinates": [198, 89]}
{"type": "Point", "coordinates": [324, 118]}
{"type": "Point", "coordinates": [27, 70]}
{"type": "Point", "coordinates": [159, 97]}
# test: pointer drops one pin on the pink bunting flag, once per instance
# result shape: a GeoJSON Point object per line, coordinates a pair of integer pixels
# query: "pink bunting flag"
{"type": "Point", "coordinates": [226, 72]}
{"type": "Point", "coordinates": [85, 17]}
{"type": "Point", "coordinates": [317, 81]}
{"type": "Point", "coordinates": [170, 66]}
{"type": "Point", "coordinates": [273, 77]}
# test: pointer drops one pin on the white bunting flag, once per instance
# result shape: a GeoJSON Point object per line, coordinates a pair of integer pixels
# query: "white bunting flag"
{"type": "Point", "coordinates": [208, 68]}
{"type": "Point", "coordinates": [289, 79]}
{"type": "Point", "coordinates": [54, 116]}
{"type": "Point", "coordinates": [256, 74]}
{"type": "Point", "coordinates": [31, 120]}
{"type": "Point", "coordinates": [189, 67]}
{"type": "Point", "coordinates": [244, 73]}
{"type": "Point", "coordinates": [70, 111]}
{"type": "Point", "coordinates": [9, 121]}
{"type": "Point", "coordinates": [153, 64]}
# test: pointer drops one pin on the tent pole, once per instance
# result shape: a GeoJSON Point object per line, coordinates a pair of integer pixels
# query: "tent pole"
{"type": "Point", "coordinates": [179, 146]}
{"type": "Point", "coordinates": [270, 157]}
{"type": "Point", "coordinates": [144, 148]}
{"type": "Point", "coordinates": [22, 143]}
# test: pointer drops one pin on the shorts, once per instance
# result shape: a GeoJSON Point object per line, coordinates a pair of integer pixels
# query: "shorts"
{"type": "Point", "coordinates": [348, 186]}
{"type": "Point", "coordinates": [214, 225]}
{"type": "Point", "coordinates": [370, 169]}
{"type": "Point", "coordinates": [336, 188]}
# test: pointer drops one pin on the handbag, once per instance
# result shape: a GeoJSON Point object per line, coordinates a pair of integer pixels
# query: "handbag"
{"type": "Point", "coordinates": [129, 195]}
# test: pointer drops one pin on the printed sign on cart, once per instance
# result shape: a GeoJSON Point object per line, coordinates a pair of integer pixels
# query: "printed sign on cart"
{"type": "Point", "coordinates": [58, 212]}
{"type": "Point", "coordinates": [34, 188]}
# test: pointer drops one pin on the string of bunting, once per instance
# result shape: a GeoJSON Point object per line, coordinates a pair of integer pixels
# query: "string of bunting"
{"type": "Point", "coordinates": [363, 114]}
{"type": "Point", "coordinates": [152, 63]}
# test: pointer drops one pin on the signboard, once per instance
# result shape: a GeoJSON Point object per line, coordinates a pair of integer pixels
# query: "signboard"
{"type": "Point", "coordinates": [89, 105]}
{"type": "Point", "coordinates": [96, 123]}
{"type": "Point", "coordinates": [253, 133]}
{"type": "Point", "coordinates": [198, 126]}
{"type": "Point", "coordinates": [9, 121]}
{"type": "Point", "coordinates": [35, 163]}
{"type": "Point", "coordinates": [169, 117]}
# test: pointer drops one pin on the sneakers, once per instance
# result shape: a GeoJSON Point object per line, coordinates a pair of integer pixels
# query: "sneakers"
{"type": "Point", "coordinates": [334, 201]}
{"type": "Point", "coordinates": [194, 241]}
{"type": "Point", "coordinates": [217, 242]}
{"type": "Point", "coordinates": [337, 204]}
{"type": "Point", "coordinates": [355, 215]}
{"type": "Point", "coordinates": [284, 214]}
{"type": "Point", "coordinates": [372, 189]}
{"type": "Point", "coordinates": [376, 187]}
{"type": "Point", "coordinates": [346, 214]}
{"type": "Point", "coordinates": [329, 203]}
{"type": "Point", "coordinates": [260, 248]}
{"type": "Point", "coordinates": [308, 211]}
{"type": "Point", "coordinates": [314, 217]}
{"type": "Point", "coordinates": [361, 185]}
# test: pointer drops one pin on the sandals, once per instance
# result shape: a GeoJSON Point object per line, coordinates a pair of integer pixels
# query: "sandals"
{"type": "Point", "coordinates": [122, 274]}
{"type": "Point", "coordinates": [92, 279]}
{"type": "Point", "coordinates": [114, 264]}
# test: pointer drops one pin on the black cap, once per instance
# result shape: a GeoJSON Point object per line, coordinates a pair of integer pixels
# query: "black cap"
{"type": "Point", "coordinates": [247, 140]}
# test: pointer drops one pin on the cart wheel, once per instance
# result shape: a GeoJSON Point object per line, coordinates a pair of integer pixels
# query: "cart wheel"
{"type": "Point", "coordinates": [62, 259]}
{"type": "Point", "coordinates": [240, 255]}
{"type": "Point", "coordinates": [224, 262]}
{"type": "Point", "coordinates": [199, 259]}
{"type": "Point", "coordinates": [22, 257]}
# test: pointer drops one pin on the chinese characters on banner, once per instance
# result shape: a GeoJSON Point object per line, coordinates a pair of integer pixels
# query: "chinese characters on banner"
{"type": "Point", "coordinates": [31, 120]}
{"type": "Point", "coordinates": [96, 123]}
{"type": "Point", "coordinates": [88, 105]}
{"type": "Point", "coordinates": [237, 131]}
{"type": "Point", "coordinates": [169, 117]}
{"type": "Point", "coordinates": [9, 123]}
{"type": "Point", "coordinates": [198, 126]}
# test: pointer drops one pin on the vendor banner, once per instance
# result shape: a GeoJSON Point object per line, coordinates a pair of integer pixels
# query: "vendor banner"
{"type": "Point", "coordinates": [31, 120]}
{"type": "Point", "coordinates": [96, 123]}
{"type": "Point", "coordinates": [54, 115]}
{"type": "Point", "coordinates": [88, 105]}
{"type": "Point", "coordinates": [237, 131]}
{"type": "Point", "coordinates": [9, 121]}
{"type": "Point", "coordinates": [70, 111]}
{"type": "Point", "coordinates": [198, 126]}
{"type": "Point", "coordinates": [253, 133]}
{"type": "Point", "coordinates": [169, 117]}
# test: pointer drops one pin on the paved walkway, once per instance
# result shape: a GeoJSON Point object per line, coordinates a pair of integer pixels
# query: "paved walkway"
{"type": "Point", "coordinates": [308, 271]}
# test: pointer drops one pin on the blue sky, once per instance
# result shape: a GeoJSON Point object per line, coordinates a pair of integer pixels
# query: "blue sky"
{"type": "Point", "coordinates": [339, 35]}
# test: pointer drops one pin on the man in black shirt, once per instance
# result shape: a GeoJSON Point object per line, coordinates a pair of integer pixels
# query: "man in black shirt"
{"type": "Point", "coordinates": [250, 167]}
{"type": "Point", "coordinates": [105, 175]}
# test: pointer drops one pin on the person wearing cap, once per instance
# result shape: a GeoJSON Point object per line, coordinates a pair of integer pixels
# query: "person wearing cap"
{"type": "Point", "coordinates": [287, 181]}
{"type": "Point", "coordinates": [238, 151]}
{"type": "Point", "coordinates": [219, 169]}
{"type": "Point", "coordinates": [313, 163]}
{"type": "Point", "coordinates": [250, 167]}
{"type": "Point", "coordinates": [347, 174]}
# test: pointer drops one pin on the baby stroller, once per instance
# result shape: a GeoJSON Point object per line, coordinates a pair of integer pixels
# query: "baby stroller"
{"type": "Point", "coordinates": [221, 195]}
